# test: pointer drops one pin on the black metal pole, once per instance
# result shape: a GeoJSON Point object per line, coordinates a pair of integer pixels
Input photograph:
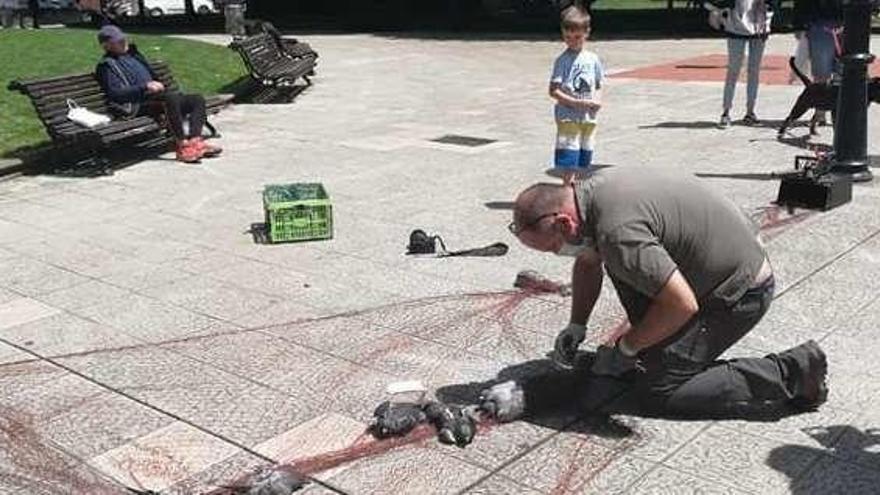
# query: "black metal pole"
{"type": "Point", "coordinates": [851, 121]}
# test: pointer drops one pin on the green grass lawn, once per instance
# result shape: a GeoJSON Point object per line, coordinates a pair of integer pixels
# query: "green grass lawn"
{"type": "Point", "coordinates": [198, 67]}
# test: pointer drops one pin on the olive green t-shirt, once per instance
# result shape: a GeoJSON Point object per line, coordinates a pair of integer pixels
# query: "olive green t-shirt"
{"type": "Point", "coordinates": [647, 224]}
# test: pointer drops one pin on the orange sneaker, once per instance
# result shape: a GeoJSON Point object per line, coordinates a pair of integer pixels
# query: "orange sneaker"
{"type": "Point", "coordinates": [188, 152]}
{"type": "Point", "coordinates": [208, 150]}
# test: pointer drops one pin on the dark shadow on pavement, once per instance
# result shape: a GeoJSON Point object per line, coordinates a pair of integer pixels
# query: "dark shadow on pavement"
{"type": "Point", "coordinates": [856, 452]}
{"type": "Point", "coordinates": [499, 205]}
{"type": "Point", "coordinates": [579, 174]}
{"type": "Point", "coordinates": [705, 124]}
{"type": "Point", "coordinates": [804, 143]}
{"type": "Point", "coordinates": [106, 164]}
{"type": "Point", "coordinates": [699, 124]}
{"type": "Point", "coordinates": [739, 176]}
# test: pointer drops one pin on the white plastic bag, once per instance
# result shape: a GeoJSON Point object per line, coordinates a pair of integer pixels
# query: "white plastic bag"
{"type": "Point", "coordinates": [84, 116]}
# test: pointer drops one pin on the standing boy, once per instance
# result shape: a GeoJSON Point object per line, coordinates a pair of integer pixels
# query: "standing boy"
{"type": "Point", "coordinates": [576, 85]}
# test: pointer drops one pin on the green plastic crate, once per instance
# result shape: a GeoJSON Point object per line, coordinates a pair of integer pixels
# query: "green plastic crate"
{"type": "Point", "coordinates": [297, 212]}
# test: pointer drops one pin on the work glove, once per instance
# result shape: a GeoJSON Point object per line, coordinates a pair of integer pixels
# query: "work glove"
{"type": "Point", "coordinates": [504, 401]}
{"type": "Point", "coordinates": [612, 361]}
{"type": "Point", "coordinates": [567, 343]}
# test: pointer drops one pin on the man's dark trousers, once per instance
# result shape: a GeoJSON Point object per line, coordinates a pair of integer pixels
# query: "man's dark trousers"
{"type": "Point", "coordinates": [682, 375]}
{"type": "Point", "coordinates": [177, 107]}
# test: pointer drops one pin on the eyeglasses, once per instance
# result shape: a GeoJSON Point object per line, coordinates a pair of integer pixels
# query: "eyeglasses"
{"type": "Point", "coordinates": [517, 229]}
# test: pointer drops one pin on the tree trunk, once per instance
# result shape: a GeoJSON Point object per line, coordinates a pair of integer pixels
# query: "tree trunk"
{"type": "Point", "coordinates": [190, 8]}
{"type": "Point", "coordinates": [142, 9]}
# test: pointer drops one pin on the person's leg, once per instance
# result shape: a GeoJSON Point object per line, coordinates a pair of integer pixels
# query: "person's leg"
{"type": "Point", "coordinates": [682, 377]}
{"type": "Point", "coordinates": [567, 152]}
{"type": "Point", "coordinates": [193, 106]}
{"type": "Point", "coordinates": [588, 141]}
{"type": "Point", "coordinates": [822, 51]}
{"type": "Point", "coordinates": [173, 106]}
{"type": "Point", "coordinates": [756, 53]}
{"type": "Point", "coordinates": [735, 51]}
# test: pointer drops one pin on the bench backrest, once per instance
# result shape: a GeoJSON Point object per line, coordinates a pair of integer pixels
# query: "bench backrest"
{"type": "Point", "coordinates": [260, 54]}
{"type": "Point", "coordinates": [49, 96]}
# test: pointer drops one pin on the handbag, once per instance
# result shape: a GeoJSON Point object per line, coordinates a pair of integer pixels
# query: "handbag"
{"type": "Point", "coordinates": [85, 117]}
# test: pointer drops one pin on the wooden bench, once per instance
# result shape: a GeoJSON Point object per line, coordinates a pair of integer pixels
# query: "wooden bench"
{"type": "Point", "coordinates": [49, 97]}
{"type": "Point", "coordinates": [274, 61]}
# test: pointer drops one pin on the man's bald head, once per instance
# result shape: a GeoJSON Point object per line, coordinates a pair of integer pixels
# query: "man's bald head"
{"type": "Point", "coordinates": [545, 217]}
{"type": "Point", "coordinates": [539, 199]}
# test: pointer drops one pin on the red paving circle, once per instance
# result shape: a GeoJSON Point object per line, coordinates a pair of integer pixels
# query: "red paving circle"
{"type": "Point", "coordinates": [774, 70]}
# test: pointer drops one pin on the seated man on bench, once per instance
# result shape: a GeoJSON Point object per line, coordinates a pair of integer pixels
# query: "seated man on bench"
{"type": "Point", "coordinates": [134, 90]}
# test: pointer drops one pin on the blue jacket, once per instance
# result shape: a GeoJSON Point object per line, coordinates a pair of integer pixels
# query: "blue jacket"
{"type": "Point", "coordinates": [125, 95]}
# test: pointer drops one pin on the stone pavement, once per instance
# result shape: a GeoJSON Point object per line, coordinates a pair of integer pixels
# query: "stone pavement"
{"type": "Point", "coordinates": [149, 341]}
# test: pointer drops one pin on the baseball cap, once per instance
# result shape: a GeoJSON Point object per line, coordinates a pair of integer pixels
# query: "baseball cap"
{"type": "Point", "coordinates": [110, 33]}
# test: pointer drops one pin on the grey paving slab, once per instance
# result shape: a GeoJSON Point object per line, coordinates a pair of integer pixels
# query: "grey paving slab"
{"type": "Point", "coordinates": [206, 395]}
{"type": "Point", "coordinates": [407, 471]}
{"type": "Point", "coordinates": [279, 315]}
{"type": "Point", "coordinates": [148, 319]}
{"type": "Point", "coordinates": [205, 296]}
{"type": "Point", "coordinates": [145, 276]}
{"type": "Point", "coordinates": [23, 310]}
{"type": "Point", "coordinates": [741, 460]}
{"type": "Point", "coordinates": [496, 444]}
{"type": "Point", "coordinates": [799, 429]}
{"type": "Point", "coordinates": [575, 464]}
{"type": "Point", "coordinates": [499, 485]}
{"type": "Point", "coordinates": [32, 277]}
{"type": "Point", "coordinates": [91, 293]}
{"type": "Point", "coordinates": [64, 334]}
{"type": "Point", "coordinates": [81, 417]}
{"type": "Point", "coordinates": [653, 439]}
{"type": "Point", "coordinates": [666, 481]}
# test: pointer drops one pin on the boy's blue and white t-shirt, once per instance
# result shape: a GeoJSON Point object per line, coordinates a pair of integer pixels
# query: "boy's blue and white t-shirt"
{"type": "Point", "coordinates": [579, 74]}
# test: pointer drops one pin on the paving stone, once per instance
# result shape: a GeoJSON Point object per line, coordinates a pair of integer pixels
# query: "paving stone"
{"type": "Point", "coordinates": [326, 433]}
{"type": "Point", "coordinates": [215, 399]}
{"type": "Point", "coordinates": [496, 444]}
{"type": "Point", "coordinates": [144, 277]}
{"type": "Point", "coordinates": [653, 439]}
{"type": "Point", "coordinates": [499, 485]}
{"type": "Point", "coordinates": [32, 278]}
{"type": "Point", "coordinates": [407, 470]}
{"type": "Point", "coordinates": [574, 464]}
{"type": "Point", "coordinates": [79, 296]}
{"type": "Point", "coordinates": [741, 460]}
{"type": "Point", "coordinates": [64, 334]}
{"type": "Point", "coordinates": [81, 417]}
{"type": "Point", "coordinates": [343, 336]}
{"type": "Point", "coordinates": [287, 313]}
{"type": "Point", "coordinates": [665, 481]}
{"type": "Point", "coordinates": [75, 256]}
{"type": "Point", "coordinates": [24, 310]}
{"type": "Point", "coordinates": [201, 295]}
{"type": "Point", "coordinates": [263, 277]}
{"type": "Point", "coordinates": [798, 429]}
{"type": "Point", "coordinates": [148, 319]}
{"type": "Point", "coordinates": [163, 457]}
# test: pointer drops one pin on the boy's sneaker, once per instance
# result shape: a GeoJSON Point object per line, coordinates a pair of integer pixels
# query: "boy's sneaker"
{"type": "Point", "coordinates": [750, 119]}
{"type": "Point", "coordinates": [188, 152]}
{"type": "Point", "coordinates": [724, 123]}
